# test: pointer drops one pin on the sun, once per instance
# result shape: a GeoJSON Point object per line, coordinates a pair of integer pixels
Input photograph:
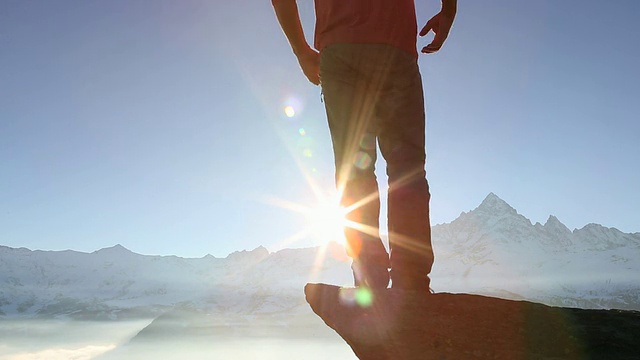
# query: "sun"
{"type": "Point", "coordinates": [326, 221]}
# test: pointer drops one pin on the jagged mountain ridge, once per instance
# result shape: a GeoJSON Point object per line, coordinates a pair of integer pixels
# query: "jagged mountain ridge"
{"type": "Point", "coordinates": [491, 249]}
{"type": "Point", "coordinates": [496, 224]}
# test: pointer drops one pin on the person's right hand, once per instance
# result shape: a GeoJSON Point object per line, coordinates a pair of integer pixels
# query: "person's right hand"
{"type": "Point", "coordinates": [309, 61]}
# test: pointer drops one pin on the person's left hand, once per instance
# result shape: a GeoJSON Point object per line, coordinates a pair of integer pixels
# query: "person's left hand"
{"type": "Point", "coordinates": [440, 24]}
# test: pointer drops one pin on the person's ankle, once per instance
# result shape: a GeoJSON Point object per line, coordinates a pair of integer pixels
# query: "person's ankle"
{"type": "Point", "coordinates": [374, 276]}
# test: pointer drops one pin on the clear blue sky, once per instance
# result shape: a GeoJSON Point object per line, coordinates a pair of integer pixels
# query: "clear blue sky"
{"type": "Point", "coordinates": [160, 124]}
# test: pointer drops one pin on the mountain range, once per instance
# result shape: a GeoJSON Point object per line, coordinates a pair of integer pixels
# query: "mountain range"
{"type": "Point", "coordinates": [495, 250]}
{"type": "Point", "coordinates": [491, 250]}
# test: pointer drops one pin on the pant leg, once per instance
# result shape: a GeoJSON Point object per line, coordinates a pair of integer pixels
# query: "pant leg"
{"type": "Point", "coordinates": [350, 109]}
{"type": "Point", "coordinates": [402, 143]}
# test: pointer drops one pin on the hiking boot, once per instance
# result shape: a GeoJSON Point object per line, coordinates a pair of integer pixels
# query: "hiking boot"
{"type": "Point", "coordinates": [400, 281]}
{"type": "Point", "coordinates": [371, 275]}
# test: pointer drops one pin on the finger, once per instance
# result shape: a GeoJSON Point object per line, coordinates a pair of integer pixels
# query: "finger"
{"type": "Point", "coordinates": [427, 50]}
{"type": "Point", "coordinates": [314, 79]}
{"type": "Point", "coordinates": [431, 48]}
{"type": "Point", "coordinates": [427, 27]}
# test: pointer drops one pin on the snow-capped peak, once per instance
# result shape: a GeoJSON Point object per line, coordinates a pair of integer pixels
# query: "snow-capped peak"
{"type": "Point", "coordinates": [495, 205]}
{"type": "Point", "coordinates": [116, 249]}
{"type": "Point", "coordinates": [256, 255]}
{"type": "Point", "coordinates": [554, 225]}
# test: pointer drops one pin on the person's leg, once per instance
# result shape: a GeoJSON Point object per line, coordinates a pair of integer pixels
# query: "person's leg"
{"type": "Point", "coordinates": [402, 143]}
{"type": "Point", "coordinates": [350, 109]}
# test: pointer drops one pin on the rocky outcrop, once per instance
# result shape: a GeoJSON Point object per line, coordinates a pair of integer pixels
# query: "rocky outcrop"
{"type": "Point", "coordinates": [390, 324]}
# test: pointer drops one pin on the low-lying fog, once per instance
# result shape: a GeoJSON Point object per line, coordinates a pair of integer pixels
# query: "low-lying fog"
{"type": "Point", "coordinates": [109, 340]}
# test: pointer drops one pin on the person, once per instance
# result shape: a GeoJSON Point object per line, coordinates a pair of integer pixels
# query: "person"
{"type": "Point", "coordinates": [365, 60]}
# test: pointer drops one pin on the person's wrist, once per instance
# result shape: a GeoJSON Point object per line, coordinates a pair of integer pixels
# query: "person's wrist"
{"type": "Point", "coordinates": [301, 50]}
{"type": "Point", "coordinates": [448, 12]}
{"type": "Point", "coordinates": [449, 8]}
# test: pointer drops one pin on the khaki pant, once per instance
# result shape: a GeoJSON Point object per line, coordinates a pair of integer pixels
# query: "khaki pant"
{"type": "Point", "coordinates": [373, 98]}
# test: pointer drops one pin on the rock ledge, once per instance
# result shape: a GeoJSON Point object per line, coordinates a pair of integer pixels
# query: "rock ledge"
{"type": "Point", "coordinates": [402, 325]}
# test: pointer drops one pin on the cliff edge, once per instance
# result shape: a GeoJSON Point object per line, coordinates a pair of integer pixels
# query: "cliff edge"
{"type": "Point", "coordinates": [390, 324]}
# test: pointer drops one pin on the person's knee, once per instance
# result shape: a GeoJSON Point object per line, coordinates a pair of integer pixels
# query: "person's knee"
{"type": "Point", "coordinates": [358, 188]}
{"type": "Point", "coordinates": [406, 173]}
{"type": "Point", "coordinates": [406, 161]}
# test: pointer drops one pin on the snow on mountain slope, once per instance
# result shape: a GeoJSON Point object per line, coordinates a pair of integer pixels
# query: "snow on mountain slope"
{"type": "Point", "coordinates": [491, 249]}
{"type": "Point", "coordinates": [495, 248]}
{"type": "Point", "coordinates": [113, 280]}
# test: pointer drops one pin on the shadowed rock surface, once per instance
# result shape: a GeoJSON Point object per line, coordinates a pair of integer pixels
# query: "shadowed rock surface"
{"type": "Point", "coordinates": [398, 325]}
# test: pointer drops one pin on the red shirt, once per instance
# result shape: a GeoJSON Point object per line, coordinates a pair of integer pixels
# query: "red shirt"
{"type": "Point", "coordinates": [391, 22]}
